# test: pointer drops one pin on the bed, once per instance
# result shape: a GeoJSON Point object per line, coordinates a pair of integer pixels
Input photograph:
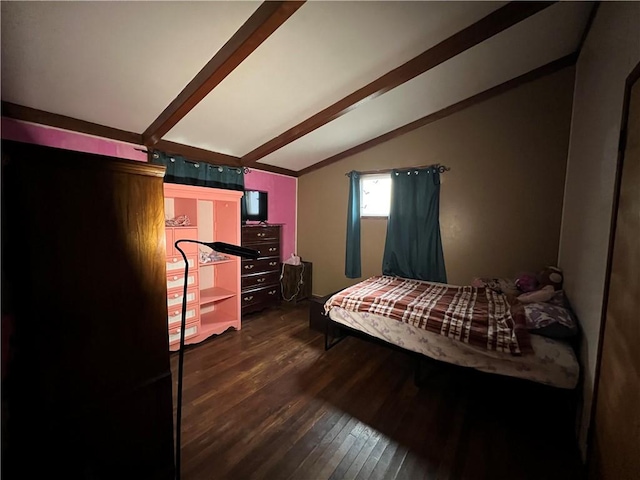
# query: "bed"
{"type": "Point", "coordinates": [460, 325]}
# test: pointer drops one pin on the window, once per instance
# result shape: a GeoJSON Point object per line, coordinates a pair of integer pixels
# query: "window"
{"type": "Point", "coordinates": [375, 195]}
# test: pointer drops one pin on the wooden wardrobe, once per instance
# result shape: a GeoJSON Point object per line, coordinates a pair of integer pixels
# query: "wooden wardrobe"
{"type": "Point", "coordinates": [614, 446]}
{"type": "Point", "coordinates": [87, 382]}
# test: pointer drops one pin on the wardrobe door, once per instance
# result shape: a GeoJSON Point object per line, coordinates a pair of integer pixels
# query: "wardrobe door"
{"type": "Point", "coordinates": [89, 384]}
{"type": "Point", "coordinates": [615, 445]}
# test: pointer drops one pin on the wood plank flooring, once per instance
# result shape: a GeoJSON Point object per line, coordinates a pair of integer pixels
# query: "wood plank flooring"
{"type": "Point", "coordinates": [269, 403]}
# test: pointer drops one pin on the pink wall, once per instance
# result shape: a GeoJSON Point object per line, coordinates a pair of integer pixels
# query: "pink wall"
{"type": "Point", "coordinates": [283, 201]}
{"type": "Point", "coordinates": [54, 137]}
{"type": "Point", "coordinates": [282, 189]}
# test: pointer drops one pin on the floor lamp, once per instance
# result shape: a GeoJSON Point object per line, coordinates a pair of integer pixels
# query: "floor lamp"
{"type": "Point", "coordinates": [221, 247]}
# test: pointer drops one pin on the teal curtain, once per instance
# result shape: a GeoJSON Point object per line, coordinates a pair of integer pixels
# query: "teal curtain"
{"type": "Point", "coordinates": [352, 259]}
{"type": "Point", "coordinates": [413, 247]}
{"type": "Point", "coordinates": [189, 172]}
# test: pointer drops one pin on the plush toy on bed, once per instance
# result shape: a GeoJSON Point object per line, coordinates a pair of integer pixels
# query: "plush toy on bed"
{"type": "Point", "coordinates": [541, 288]}
{"type": "Point", "coordinates": [526, 282]}
{"type": "Point", "coordinates": [551, 276]}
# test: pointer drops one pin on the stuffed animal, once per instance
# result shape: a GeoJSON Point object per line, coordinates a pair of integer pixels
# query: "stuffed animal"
{"type": "Point", "coordinates": [551, 276]}
{"type": "Point", "coordinates": [526, 282]}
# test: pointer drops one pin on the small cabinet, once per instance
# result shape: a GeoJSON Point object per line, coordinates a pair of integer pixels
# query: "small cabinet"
{"type": "Point", "coordinates": [296, 282]}
{"type": "Point", "coordinates": [261, 277]}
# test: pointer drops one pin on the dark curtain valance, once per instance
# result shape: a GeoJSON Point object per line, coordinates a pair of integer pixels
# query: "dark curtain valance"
{"type": "Point", "coordinates": [190, 172]}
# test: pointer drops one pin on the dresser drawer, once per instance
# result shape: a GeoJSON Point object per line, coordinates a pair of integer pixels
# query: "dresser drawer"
{"type": "Point", "coordinates": [260, 265]}
{"type": "Point", "coordinates": [174, 299]}
{"type": "Point", "coordinates": [176, 281]}
{"type": "Point", "coordinates": [260, 280]}
{"type": "Point", "coordinates": [190, 331]}
{"type": "Point", "coordinates": [260, 234]}
{"type": "Point", "coordinates": [267, 249]}
{"type": "Point", "coordinates": [175, 315]}
{"type": "Point", "coordinates": [176, 264]}
{"type": "Point", "coordinates": [260, 295]}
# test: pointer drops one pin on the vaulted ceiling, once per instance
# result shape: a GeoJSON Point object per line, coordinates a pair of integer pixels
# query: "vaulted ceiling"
{"type": "Point", "coordinates": [283, 86]}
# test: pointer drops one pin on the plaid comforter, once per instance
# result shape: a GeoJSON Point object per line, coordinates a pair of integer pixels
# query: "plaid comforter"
{"type": "Point", "coordinates": [477, 316]}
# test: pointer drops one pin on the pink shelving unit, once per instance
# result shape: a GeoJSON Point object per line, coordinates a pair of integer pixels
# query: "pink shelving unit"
{"type": "Point", "coordinates": [213, 292]}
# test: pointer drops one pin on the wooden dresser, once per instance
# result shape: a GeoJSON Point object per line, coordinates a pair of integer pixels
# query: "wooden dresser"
{"type": "Point", "coordinates": [261, 277]}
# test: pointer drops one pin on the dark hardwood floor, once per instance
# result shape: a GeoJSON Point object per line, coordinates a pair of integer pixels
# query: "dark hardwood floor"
{"type": "Point", "coordinates": [269, 403]}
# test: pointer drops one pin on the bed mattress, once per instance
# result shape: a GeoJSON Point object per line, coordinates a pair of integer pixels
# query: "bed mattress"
{"type": "Point", "coordinates": [552, 362]}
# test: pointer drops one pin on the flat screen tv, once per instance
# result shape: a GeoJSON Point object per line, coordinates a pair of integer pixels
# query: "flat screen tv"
{"type": "Point", "coordinates": [254, 206]}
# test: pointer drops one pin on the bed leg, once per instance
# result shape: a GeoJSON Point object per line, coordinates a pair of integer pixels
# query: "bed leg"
{"type": "Point", "coordinates": [330, 329]}
{"type": "Point", "coordinates": [422, 374]}
{"type": "Point", "coordinates": [419, 378]}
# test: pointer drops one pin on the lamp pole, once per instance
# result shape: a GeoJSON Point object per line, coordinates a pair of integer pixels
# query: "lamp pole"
{"type": "Point", "coordinates": [221, 247]}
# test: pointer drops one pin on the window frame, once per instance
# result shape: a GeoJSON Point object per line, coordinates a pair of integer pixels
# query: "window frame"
{"type": "Point", "coordinates": [361, 193]}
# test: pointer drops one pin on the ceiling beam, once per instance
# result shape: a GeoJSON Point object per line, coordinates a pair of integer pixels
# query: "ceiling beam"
{"type": "Point", "coordinates": [587, 27]}
{"type": "Point", "coordinates": [474, 34]}
{"type": "Point", "coordinates": [264, 21]}
{"type": "Point", "coordinates": [33, 115]}
{"type": "Point", "coordinates": [539, 72]}
{"type": "Point", "coordinates": [274, 169]}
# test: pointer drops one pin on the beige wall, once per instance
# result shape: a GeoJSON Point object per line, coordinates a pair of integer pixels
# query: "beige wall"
{"type": "Point", "coordinates": [611, 51]}
{"type": "Point", "coordinates": [501, 202]}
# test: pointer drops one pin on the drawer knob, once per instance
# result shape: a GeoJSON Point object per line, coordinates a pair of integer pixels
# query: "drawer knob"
{"type": "Point", "coordinates": [248, 267]}
{"type": "Point", "coordinates": [272, 249]}
{"type": "Point", "coordinates": [261, 234]}
{"type": "Point", "coordinates": [175, 295]}
{"type": "Point", "coordinates": [175, 278]}
{"type": "Point", "coordinates": [272, 292]}
{"type": "Point", "coordinates": [273, 263]}
{"type": "Point", "coordinates": [249, 298]}
{"type": "Point", "coordinates": [261, 280]}
{"type": "Point", "coordinates": [174, 260]}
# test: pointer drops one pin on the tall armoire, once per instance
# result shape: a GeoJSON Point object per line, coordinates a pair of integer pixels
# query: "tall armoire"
{"type": "Point", "coordinates": [86, 381]}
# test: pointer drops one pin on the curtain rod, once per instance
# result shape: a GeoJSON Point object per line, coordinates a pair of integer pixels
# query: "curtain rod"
{"type": "Point", "coordinates": [244, 169]}
{"type": "Point", "coordinates": [441, 169]}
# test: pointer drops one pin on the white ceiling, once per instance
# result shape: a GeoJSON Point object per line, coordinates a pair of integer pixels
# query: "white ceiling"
{"type": "Point", "coordinates": [120, 64]}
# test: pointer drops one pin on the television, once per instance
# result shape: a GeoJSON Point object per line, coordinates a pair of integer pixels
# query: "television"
{"type": "Point", "coordinates": [254, 206]}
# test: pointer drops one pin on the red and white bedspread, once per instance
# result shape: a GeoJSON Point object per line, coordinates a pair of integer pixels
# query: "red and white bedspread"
{"type": "Point", "coordinates": [476, 316]}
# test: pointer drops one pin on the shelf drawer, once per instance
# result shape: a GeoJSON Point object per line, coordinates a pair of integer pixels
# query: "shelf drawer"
{"type": "Point", "coordinates": [260, 295]}
{"type": "Point", "coordinates": [174, 299]}
{"type": "Point", "coordinates": [261, 265]}
{"type": "Point", "coordinates": [260, 280]}
{"type": "Point", "coordinates": [175, 315]}
{"type": "Point", "coordinates": [189, 332]}
{"type": "Point", "coordinates": [176, 281]}
{"type": "Point", "coordinates": [259, 234]}
{"type": "Point", "coordinates": [176, 263]}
